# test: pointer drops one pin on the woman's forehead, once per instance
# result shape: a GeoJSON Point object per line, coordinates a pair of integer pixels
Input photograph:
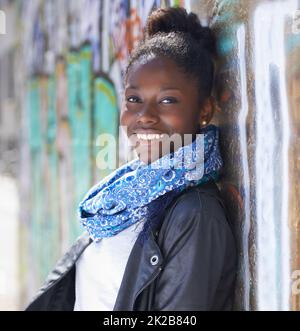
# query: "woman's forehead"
{"type": "Point", "coordinates": [159, 70]}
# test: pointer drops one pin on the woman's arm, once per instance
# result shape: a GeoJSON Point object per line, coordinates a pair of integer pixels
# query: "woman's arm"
{"type": "Point", "coordinates": [199, 257]}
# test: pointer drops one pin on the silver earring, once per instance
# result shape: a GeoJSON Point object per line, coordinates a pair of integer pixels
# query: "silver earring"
{"type": "Point", "coordinates": [204, 122]}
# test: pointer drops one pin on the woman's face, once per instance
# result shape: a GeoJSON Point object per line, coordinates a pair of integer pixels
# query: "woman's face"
{"type": "Point", "coordinates": [160, 101]}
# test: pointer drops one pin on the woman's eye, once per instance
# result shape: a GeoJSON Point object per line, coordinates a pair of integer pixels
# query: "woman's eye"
{"type": "Point", "coordinates": [133, 99]}
{"type": "Point", "coordinates": [169, 100]}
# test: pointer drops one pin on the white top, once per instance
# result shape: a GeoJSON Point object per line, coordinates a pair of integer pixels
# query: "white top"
{"type": "Point", "coordinates": [100, 269]}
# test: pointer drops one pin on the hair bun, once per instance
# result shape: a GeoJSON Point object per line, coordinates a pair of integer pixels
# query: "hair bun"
{"type": "Point", "coordinates": [176, 19]}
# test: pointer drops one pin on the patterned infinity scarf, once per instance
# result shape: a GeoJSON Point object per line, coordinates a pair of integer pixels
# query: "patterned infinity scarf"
{"type": "Point", "coordinates": [122, 198]}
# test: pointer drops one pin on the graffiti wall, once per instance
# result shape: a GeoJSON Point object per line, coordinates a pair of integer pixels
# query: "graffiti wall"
{"type": "Point", "coordinates": [74, 57]}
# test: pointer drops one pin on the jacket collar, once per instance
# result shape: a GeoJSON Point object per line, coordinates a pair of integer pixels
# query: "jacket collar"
{"type": "Point", "coordinates": [144, 264]}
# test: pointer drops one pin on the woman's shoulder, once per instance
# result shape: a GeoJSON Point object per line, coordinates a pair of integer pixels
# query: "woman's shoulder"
{"type": "Point", "coordinates": [198, 218]}
{"type": "Point", "coordinates": [198, 199]}
{"type": "Point", "coordinates": [202, 203]}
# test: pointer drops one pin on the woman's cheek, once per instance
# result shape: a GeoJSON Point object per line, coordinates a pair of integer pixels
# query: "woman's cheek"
{"type": "Point", "coordinates": [176, 123]}
{"type": "Point", "coordinates": [126, 117]}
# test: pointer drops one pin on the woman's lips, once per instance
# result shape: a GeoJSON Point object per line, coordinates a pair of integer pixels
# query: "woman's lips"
{"type": "Point", "coordinates": [153, 139]}
{"type": "Point", "coordinates": [148, 137]}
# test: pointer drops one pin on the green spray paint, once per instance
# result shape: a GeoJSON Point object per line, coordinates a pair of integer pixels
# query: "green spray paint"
{"type": "Point", "coordinates": [79, 71]}
{"type": "Point", "coordinates": [105, 121]}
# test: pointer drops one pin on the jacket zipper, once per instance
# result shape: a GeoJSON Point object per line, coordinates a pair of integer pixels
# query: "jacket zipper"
{"type": "Point", "coordinates": [154, 275]}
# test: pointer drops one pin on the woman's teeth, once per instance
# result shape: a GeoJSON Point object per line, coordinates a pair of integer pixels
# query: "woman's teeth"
{"type": "Point", "coordinates": [149, 136]}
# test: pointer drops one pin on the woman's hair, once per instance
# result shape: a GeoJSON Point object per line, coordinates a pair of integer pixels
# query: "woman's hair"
{"type": "Point", "coordinates": [178, 35]}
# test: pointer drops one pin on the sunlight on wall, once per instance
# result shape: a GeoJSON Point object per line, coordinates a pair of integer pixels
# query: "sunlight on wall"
{"type": "Point", "coordinates": [9, 257]}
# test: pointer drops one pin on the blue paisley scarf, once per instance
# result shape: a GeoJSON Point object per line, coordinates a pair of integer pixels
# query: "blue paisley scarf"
{"type": "Point", "coordinates": [124, 197]}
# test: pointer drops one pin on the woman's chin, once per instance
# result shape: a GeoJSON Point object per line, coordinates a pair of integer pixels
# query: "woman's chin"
{"type": "Point", "coordinates": [147, 155]}
{"type": "Point", "coordinates": [147, 159]}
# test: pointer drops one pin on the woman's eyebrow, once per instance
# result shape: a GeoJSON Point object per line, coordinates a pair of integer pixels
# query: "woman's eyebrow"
{"type": "Point", "coordinates": [132, 87]}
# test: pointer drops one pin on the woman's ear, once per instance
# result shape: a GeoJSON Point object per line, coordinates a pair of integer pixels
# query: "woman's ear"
{"type": "Point", "coordinates": [207, 111]}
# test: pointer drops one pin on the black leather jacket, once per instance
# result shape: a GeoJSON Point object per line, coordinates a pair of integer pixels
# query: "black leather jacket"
{"type": "Point", "coordinates": [188, 263]}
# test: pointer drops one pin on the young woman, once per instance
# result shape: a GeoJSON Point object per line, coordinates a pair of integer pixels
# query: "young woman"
{"type": "Point", "coordinates": [157, 236]}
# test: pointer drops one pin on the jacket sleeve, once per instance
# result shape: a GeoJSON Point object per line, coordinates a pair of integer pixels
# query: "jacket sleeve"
{"type": "Point", "coordinates": [199, 257]}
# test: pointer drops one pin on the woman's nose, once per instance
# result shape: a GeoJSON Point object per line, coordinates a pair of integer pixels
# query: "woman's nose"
{"type": "Point", "coordinates": [148, 115]}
